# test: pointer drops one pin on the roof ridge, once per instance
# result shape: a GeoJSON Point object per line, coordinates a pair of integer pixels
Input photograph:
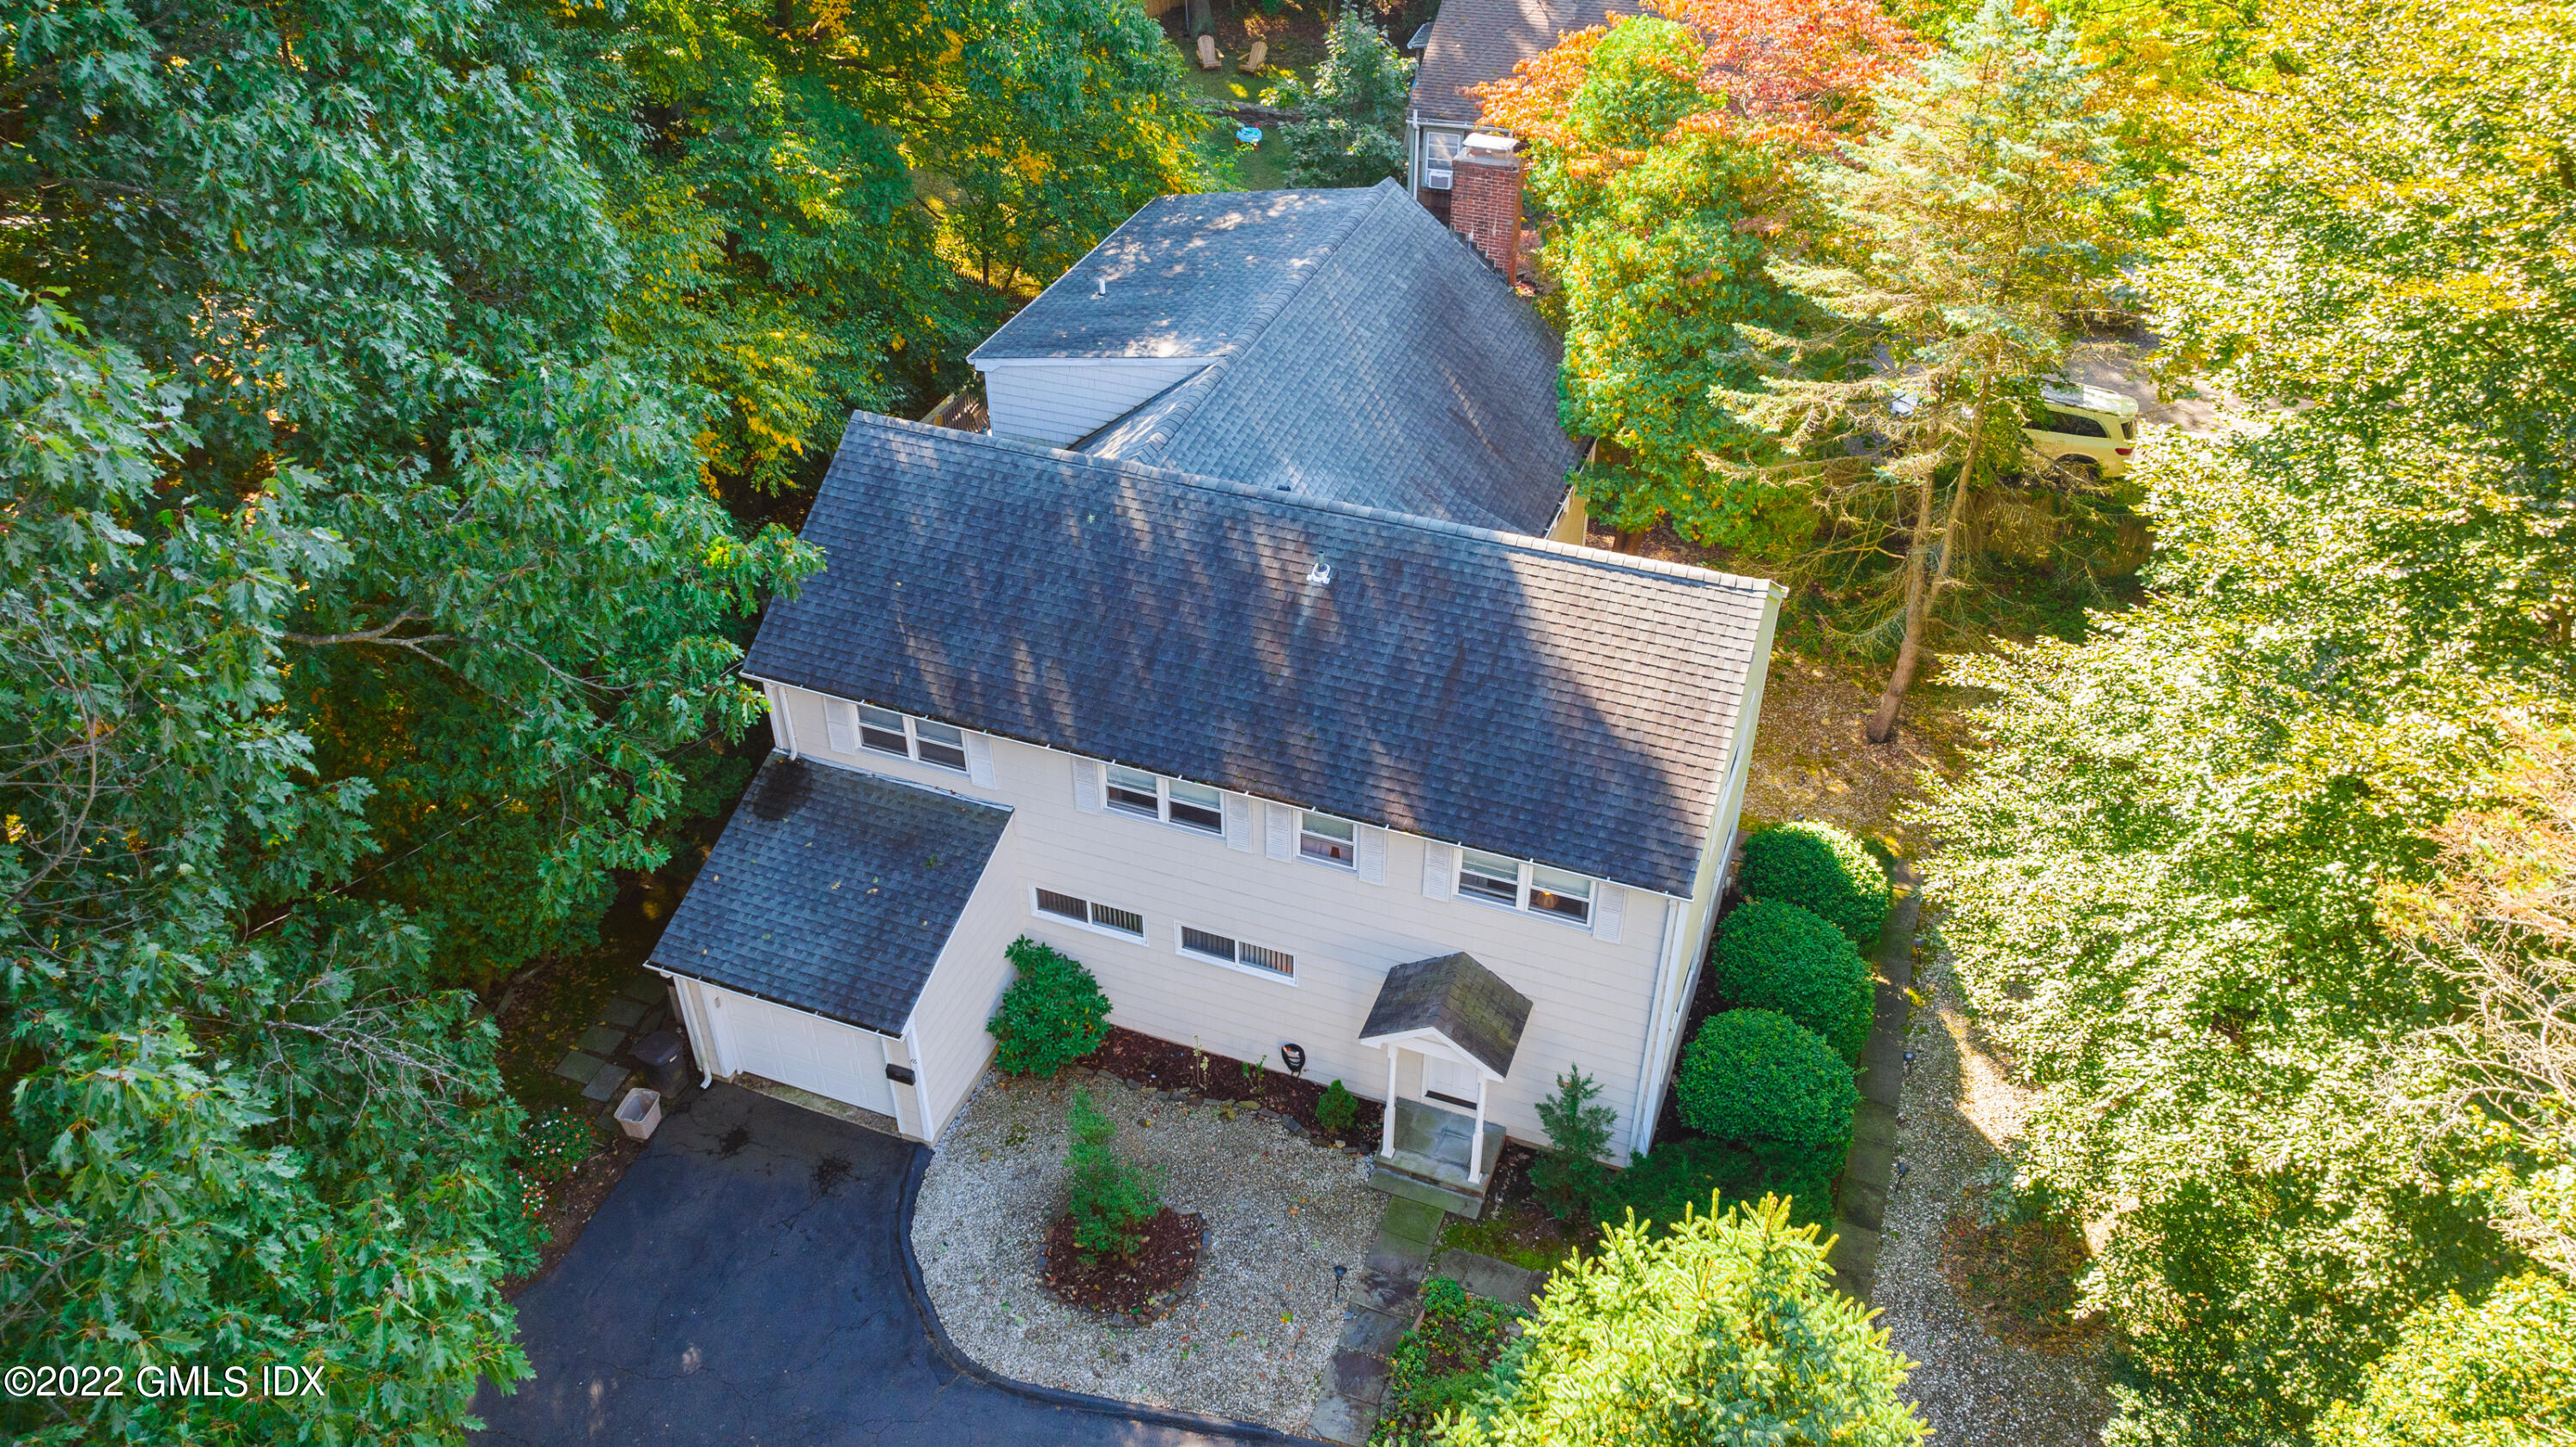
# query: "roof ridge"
{"type": "Point", "coordinates": [1589, 556]}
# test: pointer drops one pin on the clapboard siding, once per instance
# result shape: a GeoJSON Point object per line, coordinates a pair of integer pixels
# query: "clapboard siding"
{"type": "Point", "coordinates": [1060, 404]}
{"type": "Point", "coordinates": [947, 1025]}
{"type": "Point", "coordinates": [1591, 1000]}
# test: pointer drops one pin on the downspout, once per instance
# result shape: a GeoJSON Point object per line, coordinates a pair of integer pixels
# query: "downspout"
{"type": "Point", "coordinates": [784, 724]}
{"type": "Point", "coordinates": [1641, 1134]}
{"type": "Point", "coordinates": [1413, 151]}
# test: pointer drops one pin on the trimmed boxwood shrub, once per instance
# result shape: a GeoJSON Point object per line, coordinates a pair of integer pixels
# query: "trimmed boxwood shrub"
{"type": "Point", "coordinates": [1774, 955]}
{"type": "Point", "coordinates": [1823, 869]}
{"type": "Point", "coordinates": [1757, 1076]}
{"type": "Point", "coordinates": [1052, 1015]}
{"type": "Point", "coordinates": [1682, 1174]}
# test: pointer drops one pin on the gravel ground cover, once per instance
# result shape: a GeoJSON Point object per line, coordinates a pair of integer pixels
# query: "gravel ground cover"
{"type": "Point", "coordinates": [1255, 1331]}
{"type": "Point", "coordinates": [1960, 1109]}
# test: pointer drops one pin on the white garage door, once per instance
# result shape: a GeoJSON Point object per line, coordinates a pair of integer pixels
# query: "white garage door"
{"type": "Point", "coordinates": [805, 1051]}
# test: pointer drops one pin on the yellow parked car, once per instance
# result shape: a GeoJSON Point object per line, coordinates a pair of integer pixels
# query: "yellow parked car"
{"type": "Point", "coordinates": [2083, 430]}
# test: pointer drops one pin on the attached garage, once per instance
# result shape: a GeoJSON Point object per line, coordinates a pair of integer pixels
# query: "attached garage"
{"type": "Point", "coordinates": [806, 1051]}
{"type": "Point", "coordinates": [804, 947]}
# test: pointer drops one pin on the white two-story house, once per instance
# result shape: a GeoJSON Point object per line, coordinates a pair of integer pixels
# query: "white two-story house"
{"type": "Point", "coordinates": [1283, 750]}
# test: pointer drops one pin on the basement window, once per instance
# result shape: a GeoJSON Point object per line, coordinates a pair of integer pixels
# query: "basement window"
{"type": "Point", "coordinates": [1241, 954]}
{"type": "Point", "coordinates": [1089, 913]}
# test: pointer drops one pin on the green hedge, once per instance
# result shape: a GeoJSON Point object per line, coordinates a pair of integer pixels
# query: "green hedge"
{"type": "Point", "coordinates": [1684, 1174]}
{"type": "Point", "coordinates": [1774, 955]}
{"type": "Point", "coordinates": [1823, 869]}
{"type": "Point", "coordinates": [1052, 1015]}
{"type": "Point", "coordinates": [1758, 1077]}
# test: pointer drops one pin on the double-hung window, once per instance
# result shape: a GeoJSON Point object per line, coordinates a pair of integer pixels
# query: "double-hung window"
{"type": "Point", "coordinates": [1172, 801]}
{"type": "Point", "coordinates": [1518, 885]}
{"type": "Point", "coordinates": [1327, 840]}
{"type": "Point", "coordinates": [1242, 954]}
{"type": "Point", "coordinates": [1091, 913]}
{"type": "Point", "coordinates": [887, 732]}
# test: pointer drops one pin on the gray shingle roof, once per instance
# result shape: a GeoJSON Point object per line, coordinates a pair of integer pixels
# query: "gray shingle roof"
{"type": "Point", "coordinates": [1456, 995]}
{"type": "Point", "coordinates": [1189, 276]}
{"type": "Point", "coordinates": [1475, 42]}
{"type": "Point", "coordinates": [1357, 350]}
{"type": "Point", "coordinates": [1549, 702]}
{"type": "Point", "coordinates": [832, 891]}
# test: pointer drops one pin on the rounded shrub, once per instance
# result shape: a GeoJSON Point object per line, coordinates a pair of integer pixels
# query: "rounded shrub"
{"type": "Point", "coordinates": [1774, 955]}
{"type": "Point", "coordinates": [1822, 869]}
{"type": "Point", "coordinates": [1756, 1076]}
{"type": "Point", "coordinates": [1052, 1015]}
{"type": "Point", "coordinates": [1683, 1175]}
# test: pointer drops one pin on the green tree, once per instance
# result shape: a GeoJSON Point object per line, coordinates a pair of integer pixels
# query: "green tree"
{"type": "Point", "coordinates": [1351, 108]}
{"type": "Point", "coordinates": [1570, 1178]}
{"type": "Point", "coordinates": [2164, 881]}
{"type": "Point", "coordinates": [235, 1134]}
{"type": "Point", "coordinates": [1983, 214]}
{"type": "Point", "coordinates": [1110, 1200]}
{"type": "Point", "coordinates": [1719, 1329]}
{"type": "Point", "coordinates": [2492, 1375]}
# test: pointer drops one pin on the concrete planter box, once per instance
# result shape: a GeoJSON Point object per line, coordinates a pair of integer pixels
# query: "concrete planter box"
{"type": "Point", "coordinates": [639, 1113]}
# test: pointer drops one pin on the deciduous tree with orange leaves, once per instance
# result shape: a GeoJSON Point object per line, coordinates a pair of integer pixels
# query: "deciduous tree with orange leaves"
{"type": "Point", "coordinates": [1664, 151]}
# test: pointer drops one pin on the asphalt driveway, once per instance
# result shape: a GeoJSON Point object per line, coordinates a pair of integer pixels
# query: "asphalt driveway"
{"type": "Point", "coordinates": [746, 1283]}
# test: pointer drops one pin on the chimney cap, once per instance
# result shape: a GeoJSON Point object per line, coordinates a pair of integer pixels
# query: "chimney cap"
{"type": "Point", "coordinates": [1487, 141]}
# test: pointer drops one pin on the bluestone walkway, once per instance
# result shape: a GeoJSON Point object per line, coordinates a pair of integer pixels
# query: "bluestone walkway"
{"type": "Point", "coordinates": [748, 1282]}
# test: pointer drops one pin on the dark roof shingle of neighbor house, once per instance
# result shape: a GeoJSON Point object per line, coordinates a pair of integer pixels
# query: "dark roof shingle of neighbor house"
{"type": "Point", "coordinates": [1477, 42]}
{"type": "Point", "coordinates": [1356, 350]}
{"type": "Point", "coordinates": [1535, 699]}
{"type": "Point", "coordinates": [1457, 996]}
{"type": "Point", "coordinates": [832, 891]}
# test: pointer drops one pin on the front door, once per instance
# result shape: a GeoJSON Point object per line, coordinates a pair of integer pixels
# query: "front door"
{"type": "Point", "coordinates": [1448, 1082]}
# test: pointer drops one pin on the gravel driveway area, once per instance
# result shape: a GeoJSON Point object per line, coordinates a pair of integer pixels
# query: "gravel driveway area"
{"type": "Point", "coordinates": [1960, 1108]}
{"type": "Point", "coordinates": [1254, 1335]}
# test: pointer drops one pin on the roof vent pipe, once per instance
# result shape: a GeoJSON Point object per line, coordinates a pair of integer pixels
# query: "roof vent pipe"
{"type": "Point", "coordinates": [1100, 288]}
{"type": "Point", "coordinates": [1320, 574]}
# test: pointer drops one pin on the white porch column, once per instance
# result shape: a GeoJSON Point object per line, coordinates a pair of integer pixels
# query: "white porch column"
{"type": "Point", "coordinates": [1386, 1125]}
{"type": "Point", "coordinates": [1476, 1141]}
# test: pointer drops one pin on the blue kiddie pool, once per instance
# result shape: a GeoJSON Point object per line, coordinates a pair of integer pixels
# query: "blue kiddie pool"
{"type": "Point", "coordinates": [1249, 135]}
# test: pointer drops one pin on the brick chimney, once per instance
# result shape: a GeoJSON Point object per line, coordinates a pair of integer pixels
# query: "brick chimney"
{"type": "Point", "coordinates": [1485, 200]}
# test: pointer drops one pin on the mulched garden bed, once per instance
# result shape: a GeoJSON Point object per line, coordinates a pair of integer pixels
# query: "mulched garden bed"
{"type": "Point", "coordinates": [1142, 1288]}
{"type": "Point", "coordinates": [1164, 1065]}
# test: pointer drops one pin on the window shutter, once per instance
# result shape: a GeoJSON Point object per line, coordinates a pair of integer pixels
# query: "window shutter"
{"type": "Point", "coordinates": [841, 721]}
{"type": "Point", "coordinates": [979, 759]}
{"type": "Point", "coordinates": [1372, 853]}
{"type": "Point", "coordinates": [1439, 871]}
{"type": "Point", "coordinates": [1283, 832]}
{"type": "Point", "coordinates": [1609, 902]}
{"type": "Point", "coordinates": [1086, 785]}
{"type": "Point", "coordinates": [1238, 823]}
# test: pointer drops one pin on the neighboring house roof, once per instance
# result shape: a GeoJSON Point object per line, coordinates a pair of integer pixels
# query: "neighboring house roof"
{"type": "Point", "coordinates": [1468, 1004]}
{"type": "Point", "coordinates": [1532, 698]}
{"type": "Point", "coordinates": [1476, 42]}
{"type": "Point", "coordinates": [1356, 350]}
{"type": "Point", "coordinates": [832, 891]}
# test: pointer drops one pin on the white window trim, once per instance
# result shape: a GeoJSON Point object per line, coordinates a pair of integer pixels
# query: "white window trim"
{"type": "Point", "coordinates": [1051, 917]}
{"type": "Point", "coordinates": [1297, 843]}
{"type": "Point", "coordinates": [1162, 804]}
{"type": "Point", "coordinates": [1521, 895]}
{"type": "Point", "coordinates": [1194, 957]}
{"type": "Point", "coordinates": [862, 749]}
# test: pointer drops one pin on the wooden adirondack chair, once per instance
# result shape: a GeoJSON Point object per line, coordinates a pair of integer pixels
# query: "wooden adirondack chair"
{"type": "Point", "coordinates": [1257, 57]}
{"type": "Point", "coordinates": [1207, 52]}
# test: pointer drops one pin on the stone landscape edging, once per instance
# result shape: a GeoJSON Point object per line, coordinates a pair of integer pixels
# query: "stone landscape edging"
{"type": "Point", "coordinates": [955, 1356]}
{"type": "Point", "coordinates": [1869, 1171]}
